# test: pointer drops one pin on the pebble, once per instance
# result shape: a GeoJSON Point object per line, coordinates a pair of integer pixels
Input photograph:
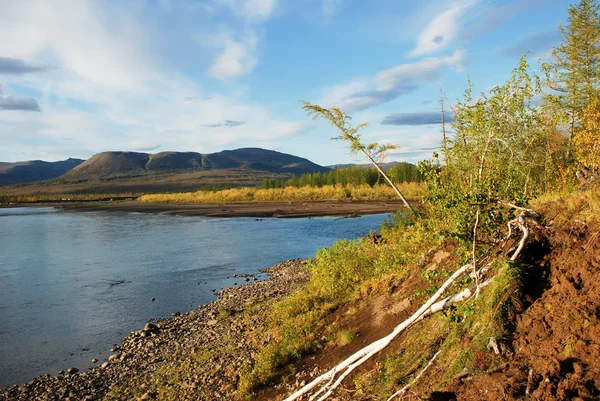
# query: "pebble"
{"type": "Point", "coordinates": [150, 327]}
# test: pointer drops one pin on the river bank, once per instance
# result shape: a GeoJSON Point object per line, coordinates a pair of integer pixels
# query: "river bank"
{"type": "Point", "coordinates": [237, 209]}
{"type": "Point", "coordinates": [208, 346]}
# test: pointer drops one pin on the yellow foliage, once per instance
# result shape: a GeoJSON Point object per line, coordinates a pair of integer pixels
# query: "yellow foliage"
{"type": "Point", "coordinates": [587, 142]}
{"type": "Point", "coordinates": [307, 193]}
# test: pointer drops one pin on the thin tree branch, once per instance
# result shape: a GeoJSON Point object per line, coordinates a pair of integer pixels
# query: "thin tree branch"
{"type": "Point", "coordinates": [405, 388]}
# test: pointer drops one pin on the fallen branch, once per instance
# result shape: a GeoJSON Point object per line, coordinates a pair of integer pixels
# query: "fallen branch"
{"type": "Point", "coordinates": [405, 388]}
{"type": "Point", "coordinates": [428, 308]}
{"type": "Point", "coordinates": [370, 350]}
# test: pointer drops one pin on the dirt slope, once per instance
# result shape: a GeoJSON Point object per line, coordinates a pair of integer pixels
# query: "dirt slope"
{"type": "Point", "coordinates": [557, 338]}
{"type": "Point", "coordinates": [553, 351]}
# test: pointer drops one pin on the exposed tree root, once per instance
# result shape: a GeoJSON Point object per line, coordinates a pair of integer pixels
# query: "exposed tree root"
{"type": "Point", "coordinates": [328, 381]}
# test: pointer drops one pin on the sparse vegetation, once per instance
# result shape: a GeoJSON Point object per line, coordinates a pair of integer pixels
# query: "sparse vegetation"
{"type": "Point", "coordinates": [307, 193]}
{"type": "Point", "coordinates": [345, 337]}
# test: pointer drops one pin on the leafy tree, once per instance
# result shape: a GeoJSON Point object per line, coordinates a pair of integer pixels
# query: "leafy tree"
{"type": "Point", "coordinates": [497, 153]}
{"type": "Point", "coordinates": [373, 151]}
{"type": "Point", "coordinates": [405, 172]}
{"type": "Point", "coordinates": [575, 71]}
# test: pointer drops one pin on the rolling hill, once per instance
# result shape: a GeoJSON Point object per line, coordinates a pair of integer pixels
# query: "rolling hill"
{"type": "Point", "coordinates": [132, 164]}
{"type": "Point", "coordinates": [34, 170]}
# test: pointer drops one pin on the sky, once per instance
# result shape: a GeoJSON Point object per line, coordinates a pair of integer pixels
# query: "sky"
{"type": "Point", "coordinates": [79, 77]}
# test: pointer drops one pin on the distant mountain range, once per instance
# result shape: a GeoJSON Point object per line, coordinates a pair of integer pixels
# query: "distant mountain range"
{"type": "Point", "coordinates": [111, 165]}
{"type": "Point", "coordinates": [34, 170]}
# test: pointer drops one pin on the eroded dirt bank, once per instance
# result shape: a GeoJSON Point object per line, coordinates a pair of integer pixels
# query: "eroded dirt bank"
{"type": "Point", "coordinates": [557, 338]}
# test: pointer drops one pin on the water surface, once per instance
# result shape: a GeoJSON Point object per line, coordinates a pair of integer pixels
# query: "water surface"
{"type": "Point", "coordinates": [72, 284]}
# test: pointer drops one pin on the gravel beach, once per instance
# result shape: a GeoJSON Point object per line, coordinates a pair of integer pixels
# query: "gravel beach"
{"type": "Point", "coordinates": [203, 349]}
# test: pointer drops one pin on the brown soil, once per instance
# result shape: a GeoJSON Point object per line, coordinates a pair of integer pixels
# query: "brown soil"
{"type": "Point", "coordinates": [556, 327]}
{"type": "Point", "coordinates": [557, 337]}
{"type": "Point", "coordinates": [243, 209]}
{"type": "Point", "coordinates": [372, 315]}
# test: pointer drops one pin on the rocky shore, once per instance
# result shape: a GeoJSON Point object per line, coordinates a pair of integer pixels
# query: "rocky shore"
{"type": "Point", "coordinates": [196, 355]}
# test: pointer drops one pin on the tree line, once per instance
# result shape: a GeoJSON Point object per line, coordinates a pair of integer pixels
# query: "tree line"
{"type": "Point", "coordinates": [350, 175]}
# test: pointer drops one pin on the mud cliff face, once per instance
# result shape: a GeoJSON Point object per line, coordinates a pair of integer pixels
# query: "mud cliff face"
{"type": "Point", "coordinates": [556, 338]}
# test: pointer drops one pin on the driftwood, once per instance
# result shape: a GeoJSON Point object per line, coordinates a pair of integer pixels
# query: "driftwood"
{"type": "Point", "coordinates": [328, 381]}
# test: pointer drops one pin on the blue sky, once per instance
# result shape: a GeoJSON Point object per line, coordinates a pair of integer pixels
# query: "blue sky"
{"type": "Point", "coordinates": [82, 77]}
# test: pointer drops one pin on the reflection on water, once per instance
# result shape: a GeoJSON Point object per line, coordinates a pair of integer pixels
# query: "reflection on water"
{"type": "Point", "coordinates": [73, 284]}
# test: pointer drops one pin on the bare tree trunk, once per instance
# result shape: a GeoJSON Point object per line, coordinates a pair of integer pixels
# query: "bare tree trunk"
{"type": "Point", "coordinates": [444, 139]}
{"type": "Point", "coordinates": [571, 128]}
{"type": "Point", "coordinates": [394, 187]}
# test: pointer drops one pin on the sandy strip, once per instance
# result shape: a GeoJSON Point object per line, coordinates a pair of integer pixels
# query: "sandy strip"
{"type": "Point", "coordinates": [243, 209]}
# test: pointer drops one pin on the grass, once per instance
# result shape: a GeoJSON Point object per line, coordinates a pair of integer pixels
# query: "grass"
{"type": "Point", "coordinates": [225, 312]}
{"type": "Point", "coordinates": [345, 337]}
{"type": "Point", "coordinates": [569, 206]}
{"type": "Point", "coordinates": [348, 271]}
{"type": "Point", "coordinates": [462, 333]}
{"type": "Point", "coordinates": [307, 193]}
{"type": "Point", "coordinates": [339, 274]}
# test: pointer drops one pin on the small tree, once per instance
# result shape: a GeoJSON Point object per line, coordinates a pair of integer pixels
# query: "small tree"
{"type": "Point", "coordinates": [498, 153]}
{"type": "Point", "coordinates": [575, 70]}
{"type": "Point", "coordinates": [373, 151]}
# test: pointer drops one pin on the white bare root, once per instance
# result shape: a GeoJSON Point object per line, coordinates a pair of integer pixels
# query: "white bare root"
{"type": "Point", "coordinates": [328, 381]}
{"type": "Point", "coordinates": [523, 209]}
{"type": "Point", "coordinates": [370, 350]}
{"type": "Point", "coordinates": [529, 382]}
{"type": "Point", "coordinates": [405, 388]}
{"type": "Point", "coordinates": [523, 226]}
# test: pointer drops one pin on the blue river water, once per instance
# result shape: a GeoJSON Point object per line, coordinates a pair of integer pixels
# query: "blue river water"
{"type": "Point", "coordinates": [72, 284]}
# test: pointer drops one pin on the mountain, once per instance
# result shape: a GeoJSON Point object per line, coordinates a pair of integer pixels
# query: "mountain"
{"type": "Point", "coordinates": [34, 170]}
{"type": "Point", "coordinates": [131, 164]}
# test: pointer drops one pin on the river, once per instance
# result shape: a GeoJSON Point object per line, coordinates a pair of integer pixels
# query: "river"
{"type": "Point", "coordinates": [72, 284]}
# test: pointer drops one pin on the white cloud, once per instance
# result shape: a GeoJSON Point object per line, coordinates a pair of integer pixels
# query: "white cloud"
{"type": "Point", "coordinates": [334, 93]}
{"type": "Point", "coordinates": [237, 59]}
{"type": "Point", "coordinates": [74, 36]}
{"type": "Point", "coordinates": [239, 47]}
{"type": "Point", "coordinates": [106, 88]}
{"type": "Point", "coordinates": [442, 30]}
{"type": "Point", "coordinates": [423, 70]}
